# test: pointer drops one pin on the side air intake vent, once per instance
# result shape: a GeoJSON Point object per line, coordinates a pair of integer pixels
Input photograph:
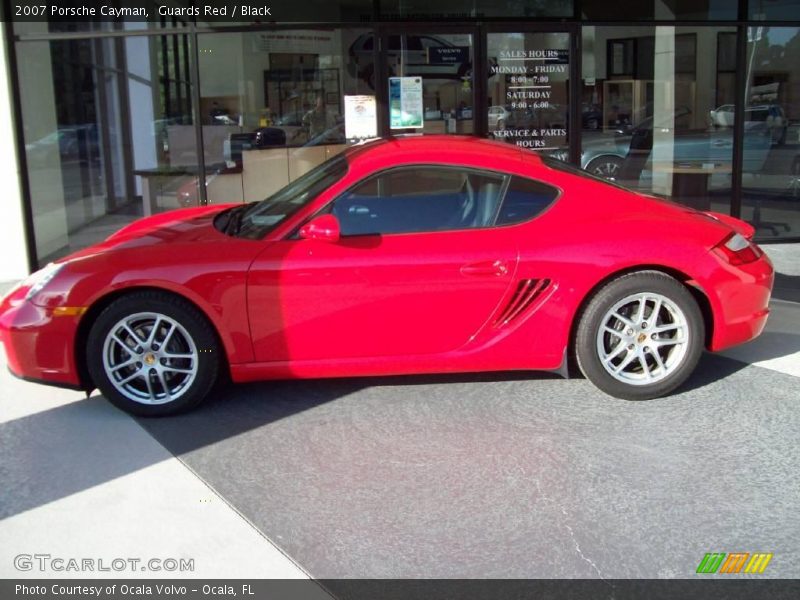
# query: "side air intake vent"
{"type": "Point", "coordinates": [528, 290]}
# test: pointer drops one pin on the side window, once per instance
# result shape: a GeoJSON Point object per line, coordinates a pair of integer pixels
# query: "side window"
{"type": "Point", "coordinates": [525, 199]}
{"type": "Point", "coordinates": [421, 199]}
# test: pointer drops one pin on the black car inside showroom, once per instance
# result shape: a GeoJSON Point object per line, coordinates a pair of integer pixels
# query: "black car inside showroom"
{"type": "Point", "coordinates": [287, 209]}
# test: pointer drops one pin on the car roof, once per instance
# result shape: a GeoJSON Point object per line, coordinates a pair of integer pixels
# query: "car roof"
{"type": "Point", "coordinates": [445, 144]}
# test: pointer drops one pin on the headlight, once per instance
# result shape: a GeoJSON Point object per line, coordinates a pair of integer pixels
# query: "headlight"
{"type": "Point", "coordinates": [41, 278]}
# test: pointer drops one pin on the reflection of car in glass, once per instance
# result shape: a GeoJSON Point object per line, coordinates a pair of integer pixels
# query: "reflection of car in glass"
{"type": "Point", "coordinates": [604, 155]}
{"type": "Point", "coordinates": [502, 263]}
{"type": "Point", "coordinates": [414, 50]}
{"type": "Point", "coordinates": [771, 114]}
{"type": "Point", "coordinates": [591, 116]}
{"type": "Point", "coordinates": [498, 115]}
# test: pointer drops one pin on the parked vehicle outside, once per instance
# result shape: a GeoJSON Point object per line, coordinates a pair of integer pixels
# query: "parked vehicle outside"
{"type": "Point", "coordinates": [770, 114]}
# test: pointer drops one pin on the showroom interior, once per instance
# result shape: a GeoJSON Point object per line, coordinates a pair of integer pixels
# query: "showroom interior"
{"type": "Point", "coordinates": [698, 102]}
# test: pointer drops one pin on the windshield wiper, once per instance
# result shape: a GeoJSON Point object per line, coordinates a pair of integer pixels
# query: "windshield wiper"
{"type": "Point", "coordinates": [234, 220]}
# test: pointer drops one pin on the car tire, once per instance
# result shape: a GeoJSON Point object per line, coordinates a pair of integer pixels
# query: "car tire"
{"type": "Point", "coordinates": [501, 125]}
{"type": "Point", "coordinates": [607, 167]}
{"type": "Point", "coordinates": [153, 354]}
{"type": "Point", "coordinates": [625, 352]}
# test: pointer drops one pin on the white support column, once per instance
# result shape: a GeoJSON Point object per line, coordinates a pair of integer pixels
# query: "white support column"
{"type": "Point", "coordinates": [14, 262]}
{"type": "Point", "coordinates": [664, 107]}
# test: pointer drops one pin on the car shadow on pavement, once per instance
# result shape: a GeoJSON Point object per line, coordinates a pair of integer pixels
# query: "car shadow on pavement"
{"type": "Point", "coordinates": [52, 454]}
{"type": "Point", "coordinates": [787, 287]}
{"type": "Point", "coordinates": [62, 451]}
{"type": "Point", "coordinates": [236, 409]}
{"type": "Point", "coordinates": [710, 369]}
{"type": "Point", "coordinates": [55, 453]}
{"type": "Point", "coordinates": [769, 345]}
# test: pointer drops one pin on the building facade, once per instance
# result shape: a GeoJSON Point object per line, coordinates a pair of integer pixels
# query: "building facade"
{"type": "Point", "coordinates": [114, 119]}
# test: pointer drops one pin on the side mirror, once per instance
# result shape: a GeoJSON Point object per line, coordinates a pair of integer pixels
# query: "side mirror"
{"type": "Point", "coordinates": [323, 227]}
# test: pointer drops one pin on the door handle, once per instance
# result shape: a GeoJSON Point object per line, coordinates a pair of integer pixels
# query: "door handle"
{"type": "Point", "coordinates": [497, 268]}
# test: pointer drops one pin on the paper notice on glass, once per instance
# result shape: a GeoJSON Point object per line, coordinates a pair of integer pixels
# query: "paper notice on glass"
{"type": "Point", "coordinates": [405, 102]}
{"type": "Point", "coordinates": [360, 117]}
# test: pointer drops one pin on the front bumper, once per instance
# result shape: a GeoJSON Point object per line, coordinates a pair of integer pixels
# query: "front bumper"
{"type": "Point", "coordinates": [741, 302]}
{"type": "Point", "coordinates": [39, 345]}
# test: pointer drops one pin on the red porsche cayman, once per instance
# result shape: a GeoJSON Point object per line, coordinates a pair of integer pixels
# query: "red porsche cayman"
{"type": "Point", "coordinates": [416, 255]}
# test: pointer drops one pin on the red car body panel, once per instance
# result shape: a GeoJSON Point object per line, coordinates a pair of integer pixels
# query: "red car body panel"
{"type": "Point", "coordinates": [413, 303]}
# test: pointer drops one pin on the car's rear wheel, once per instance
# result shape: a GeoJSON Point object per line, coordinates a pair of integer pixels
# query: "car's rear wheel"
{"type": "Point", "coordinates": [153, 354]}
{"type": "Point", "coordinates": [608, 167]}
{"type": "Point", "coordinates": [640, 336]}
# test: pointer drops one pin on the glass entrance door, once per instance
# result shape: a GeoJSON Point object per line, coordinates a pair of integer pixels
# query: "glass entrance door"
{"type": "Point", "coordinates": [430, 81]}
{"type": "Point", "coordinates": [527, 96]}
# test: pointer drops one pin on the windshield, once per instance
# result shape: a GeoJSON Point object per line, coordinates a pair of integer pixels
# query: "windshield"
{"type": "Point", "coordinates": [262, 217]}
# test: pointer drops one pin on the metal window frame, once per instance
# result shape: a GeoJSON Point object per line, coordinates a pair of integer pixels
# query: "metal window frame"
{"type": "Point", "coordinates": [479, 28]}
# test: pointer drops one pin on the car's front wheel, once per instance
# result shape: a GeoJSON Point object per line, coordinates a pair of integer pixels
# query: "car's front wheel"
{"type": "Point", "coordinates": [640, 336]}
{"type": "Point", "coordinates": [152, 354]}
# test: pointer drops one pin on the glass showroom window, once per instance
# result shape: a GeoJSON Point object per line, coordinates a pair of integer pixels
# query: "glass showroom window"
{"type": "Point", "coordinates": [664, 97]}
{"type": "Point", "coordinates": [273, 105]}
{"type": "Point", "coordinates": [438, 65]}
{"type": "Point", "coordinates": [528, 90]}
{"type": "Point", "coordinates": [771, 188]}
{"type": "Point", "coordinates": [104, 122]}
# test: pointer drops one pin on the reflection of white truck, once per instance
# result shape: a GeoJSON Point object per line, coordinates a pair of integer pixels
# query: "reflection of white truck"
{"type": "Point", "coordinates": [761, 108]}
{"type": "Point", "coordinates": [772, 115]}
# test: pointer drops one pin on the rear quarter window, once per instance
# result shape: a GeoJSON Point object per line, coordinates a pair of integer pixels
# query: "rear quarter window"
{"type": "Point", "coordinates": [525, 199]}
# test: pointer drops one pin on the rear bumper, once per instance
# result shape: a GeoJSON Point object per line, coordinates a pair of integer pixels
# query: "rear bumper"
{"type": "Point", "coordinates": [740, 302]}
{"type": "Point", "coordinates": [38, 346]}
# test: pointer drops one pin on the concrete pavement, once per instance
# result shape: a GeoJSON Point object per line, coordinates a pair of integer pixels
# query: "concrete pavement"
{"type": "Point", "coordinates": [80, 479]}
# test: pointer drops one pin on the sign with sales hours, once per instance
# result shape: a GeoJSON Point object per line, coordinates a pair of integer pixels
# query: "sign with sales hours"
{"type": "Point", "coordinates": [537, 119]}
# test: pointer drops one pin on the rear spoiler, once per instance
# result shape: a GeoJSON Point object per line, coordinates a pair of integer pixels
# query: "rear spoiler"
{"type": "Point", "coordinates": [739, 226]}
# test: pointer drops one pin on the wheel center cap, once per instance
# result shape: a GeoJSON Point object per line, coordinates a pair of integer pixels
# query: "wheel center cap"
{"type": "Point", "coordinates": [642, 337]}
{"type": "Point", "coordinates": [150, 358]}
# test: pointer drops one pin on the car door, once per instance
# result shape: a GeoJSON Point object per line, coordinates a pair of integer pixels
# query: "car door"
{"type": "Point", "coordinates": [418, 270]}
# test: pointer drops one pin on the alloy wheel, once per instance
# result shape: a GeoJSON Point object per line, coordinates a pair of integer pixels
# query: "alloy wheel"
{"type": "Point", "coordinates": [643, 339]}
{"type": "Point", "coordinates": [608, 169]}
{"type": "Point", "coordinates": [150, 358]}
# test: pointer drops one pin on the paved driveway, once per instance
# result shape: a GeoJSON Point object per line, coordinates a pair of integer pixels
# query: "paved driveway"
{"type": "Point", "coordinates": [506, 476]}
